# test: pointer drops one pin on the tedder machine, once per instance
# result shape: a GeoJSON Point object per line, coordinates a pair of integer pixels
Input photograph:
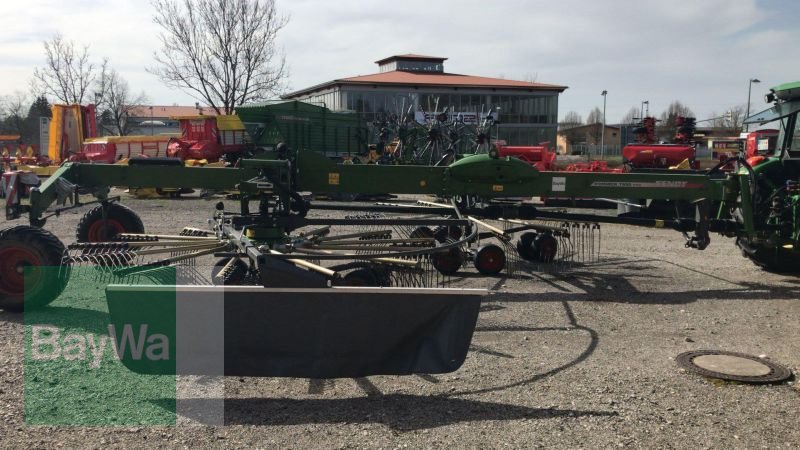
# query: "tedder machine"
{"type": "Point", "coordinates": [332, 290]}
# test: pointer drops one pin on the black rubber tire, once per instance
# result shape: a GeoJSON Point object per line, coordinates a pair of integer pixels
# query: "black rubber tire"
{"type": "Point", "coordinates": [490, 259]}
{"type": "Point", "coordinates": [545, 247]}
{"type": "Point", "coordinates": [777, 260]}
{"type": "Point", "coordinates": [127, 221]}
{"type": "Point", "coordinates": [525, 246]}
{"type": "Point", "coordinates": [364, 277]}
{"type": "Point", "coordinates": [236, 275]}
{"type": "Point", "coordinates": [422, 232]}
{"type": "Point", "coordinates": [48, 252]}
{"type": "Point", "coordinates": [448, 262]}
{"type": "Point", "coordinates": [442, 234]}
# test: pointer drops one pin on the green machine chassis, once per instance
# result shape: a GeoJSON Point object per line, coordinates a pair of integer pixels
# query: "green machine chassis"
{"type": "Point", "coordinates": [758, 204]}
{"type": "Point", "coordinates": [299, 311]}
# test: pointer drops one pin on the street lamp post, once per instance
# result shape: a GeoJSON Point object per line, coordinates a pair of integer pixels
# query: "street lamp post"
{"type": "Point", "coordinates": [152, 132]}
{"type": "Point", "coordinates": [749, 91]}
{"type": "Point", "coordinates": [603, 132]}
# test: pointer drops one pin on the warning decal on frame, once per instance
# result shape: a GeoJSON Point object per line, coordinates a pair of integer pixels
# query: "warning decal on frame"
{"type": "Point", "coordinates": [559, 184]}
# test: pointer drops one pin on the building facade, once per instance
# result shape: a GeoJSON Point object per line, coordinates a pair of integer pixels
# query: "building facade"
{"type": "Point", "coordinates": [527, 111]}
{"type": "Point", "coordinates": [583, 138]}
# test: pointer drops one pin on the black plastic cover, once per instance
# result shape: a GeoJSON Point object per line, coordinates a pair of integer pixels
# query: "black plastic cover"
{"type": "Point", "coordinates": [306, 333]}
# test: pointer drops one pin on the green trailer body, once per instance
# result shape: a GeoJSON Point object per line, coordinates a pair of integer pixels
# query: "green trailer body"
{"type": "Point", "coordinates": [305, 126]}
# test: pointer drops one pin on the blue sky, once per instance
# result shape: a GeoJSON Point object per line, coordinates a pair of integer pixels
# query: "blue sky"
{"type": "Point", "coordinates": [701, 52]}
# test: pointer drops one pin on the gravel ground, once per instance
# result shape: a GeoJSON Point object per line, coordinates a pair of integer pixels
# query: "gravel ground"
{"type": "Point", "coordinates": [577, 357]}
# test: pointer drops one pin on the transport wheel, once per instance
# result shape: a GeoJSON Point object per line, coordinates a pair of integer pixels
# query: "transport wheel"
{"type": "Point", "coordinates": [448, 262]}
{"type": "Point", "coordinates": [40, 252]}
{"type": "Point", "coordinates": [360, 278]}
{"type": "Point", "coordinates": [778, 260]}
{"type": "Point", "coordinates": [545, 247]}
{"type": "Point", "coordinates": [490, 259]}
{"type": "Point", "coordinates": [421, 232]}
{"type": "Point", "coordinates": [119, 219]}
{"type": "Point", "coordinates": [229, 272]}
{"type": "Point", "coordinates": [442, 234]}
{"type": "Point", "coordinates": [525, 246]}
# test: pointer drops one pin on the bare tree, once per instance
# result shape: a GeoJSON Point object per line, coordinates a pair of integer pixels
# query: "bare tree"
{"type": "Point", "coordinates": [117, 102]}
{"type": "Point", "coordinates": [68, 73]}
{"type": "Point", "coordinates": [595, 116]}
{"type": "Point", "coordinates": [14, 110]}
{"type": "Point", "coordinates": [223, 52]}
{"type": "Point", "coordinates": [531, 77]}
{"type": "Point", "coordinates": [631, 116]}
{"type": "Point", "coordinates": [666, 128]}
{"type": "Point", "coordinates": [731, 122]}
{"type": "Point", "coordinates": [568, 129]}
{"type": "Point", "coordinates": [571, 120]}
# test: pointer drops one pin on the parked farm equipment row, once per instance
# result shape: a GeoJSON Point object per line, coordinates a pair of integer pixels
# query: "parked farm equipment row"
{"type": "Point", "coordinates": [300, 269]}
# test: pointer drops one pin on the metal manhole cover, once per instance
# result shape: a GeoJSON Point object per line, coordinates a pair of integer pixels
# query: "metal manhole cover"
{"type": "Point", "coordinates": [733, 366]}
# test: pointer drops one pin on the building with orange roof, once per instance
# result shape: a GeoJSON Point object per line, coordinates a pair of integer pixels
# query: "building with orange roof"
{"type": "Point", "coordinates": [528, 111]}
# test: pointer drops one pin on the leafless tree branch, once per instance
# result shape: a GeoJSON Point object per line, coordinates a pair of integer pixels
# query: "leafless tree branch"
{"type": "Point", "coordinates": [117, 102]}
{"type": "Point", "coordinates": [222, 52]}
{"type": "Point", "coordinates": [68, 72]}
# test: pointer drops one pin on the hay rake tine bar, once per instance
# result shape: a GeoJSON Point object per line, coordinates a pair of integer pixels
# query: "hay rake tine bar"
{"type": "Point", "coordinates": [158, 237]}
{"type": "Point", "coordinates": [169, 261]}
{"type": "Point", "coordinates": [353, 235]}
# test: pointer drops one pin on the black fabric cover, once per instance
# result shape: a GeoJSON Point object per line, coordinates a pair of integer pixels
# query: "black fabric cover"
{"type": "Point", "coordinates": [317, 333]}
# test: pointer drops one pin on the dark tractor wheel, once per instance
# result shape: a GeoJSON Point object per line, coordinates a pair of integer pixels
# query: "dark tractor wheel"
{"type": "Point", "coordinates": [448, 262]}
{"type": "Point", "coordinates": [490, 259]}
{"type": "Point", "coordinates": [364, 277]}
{"type": "Point", "coordinates": [778, 260]}
{"type": "Point", "coordinates": [229, 272]}
{"type": "Point", "coordinates": [525, 246]}
{"type": "Point", "coordinates": [31, 273]}
{"type": "Point", "coordinates": [93, 227]}
{"type": "Point", "coordinates": [545, 247]}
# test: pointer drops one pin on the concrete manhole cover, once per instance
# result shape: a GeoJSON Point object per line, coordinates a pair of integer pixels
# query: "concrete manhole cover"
{"type": "Point", "coordinates": [733, 366]}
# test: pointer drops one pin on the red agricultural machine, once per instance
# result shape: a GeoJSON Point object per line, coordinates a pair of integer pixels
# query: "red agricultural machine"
{"type": "Point", "coordinates": [538, 156]}
{"type": "Point", "coordinates": [208, 138]}
{"type": "Point", "coordinates": [202, 138]}
{"type": "Point", "coordinates": [647, 154]}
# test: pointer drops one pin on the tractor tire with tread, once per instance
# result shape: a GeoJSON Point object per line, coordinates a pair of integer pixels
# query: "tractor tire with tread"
{"type": "Point", "coordinates": [119, 219]}
{"type": "Point", "coordinates": [777, 260]}
{"type": "Point", "coordinates": [25, 246]}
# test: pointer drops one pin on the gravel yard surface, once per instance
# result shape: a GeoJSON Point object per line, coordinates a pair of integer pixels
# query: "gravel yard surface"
{"type": "Point", "coordinates": [574, 357]}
